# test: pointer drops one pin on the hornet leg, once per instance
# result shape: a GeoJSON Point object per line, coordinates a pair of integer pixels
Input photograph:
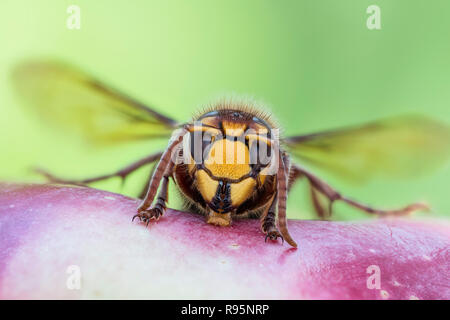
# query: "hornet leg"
{"type": "Point", "coordinates": [268, 225]}
{"type": "Point", "coordinates": [162, 172]}
{"type": "Point", "coordinates": [282, 186]}
{"type": "Point", "coordinates": [333, 195]}
{"type": "Point", "coordinates": [160, 206]}
{"type": "Point", "coordinates": [122, 173]}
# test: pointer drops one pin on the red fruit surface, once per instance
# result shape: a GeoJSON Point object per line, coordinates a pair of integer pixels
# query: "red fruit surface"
{"type": "Point", "coordinates": [45, 229]}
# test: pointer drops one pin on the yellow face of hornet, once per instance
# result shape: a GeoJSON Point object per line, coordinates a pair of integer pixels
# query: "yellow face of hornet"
{"type": "Point", "coordinates": [229, 170]}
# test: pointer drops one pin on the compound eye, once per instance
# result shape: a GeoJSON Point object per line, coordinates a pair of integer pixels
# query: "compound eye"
{"type": "Point", "coordinates": [200, 142]}
{"type": "Point", "coordinates": [253, 150]}
{"type": "Point", "coordinates": [208, 139]}
{"type": "Point", "coordinates": [260, 153]}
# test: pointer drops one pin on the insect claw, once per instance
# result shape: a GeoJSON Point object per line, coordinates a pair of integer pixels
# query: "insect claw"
{"type": "Point", "coordinates": [136, 215]}
{"type": "Point", "coordinates": [274, 237]}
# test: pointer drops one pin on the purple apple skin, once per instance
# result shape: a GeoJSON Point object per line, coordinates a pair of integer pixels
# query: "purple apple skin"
{"type": "Point", "coordinates": [45, 229]}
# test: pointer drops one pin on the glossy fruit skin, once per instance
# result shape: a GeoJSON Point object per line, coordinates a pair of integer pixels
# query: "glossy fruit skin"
{"type": "Point", "coordinates": [45, 229]}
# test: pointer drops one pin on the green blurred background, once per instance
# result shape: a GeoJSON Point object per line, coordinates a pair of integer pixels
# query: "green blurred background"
{"type": "Point", "coordinates": [314, 63]}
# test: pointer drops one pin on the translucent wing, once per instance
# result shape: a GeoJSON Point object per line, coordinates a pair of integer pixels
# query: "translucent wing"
{"type": "Point", "coordinates": [70, 98]}
{"type": "Point", "coordinates": [399, 147]}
